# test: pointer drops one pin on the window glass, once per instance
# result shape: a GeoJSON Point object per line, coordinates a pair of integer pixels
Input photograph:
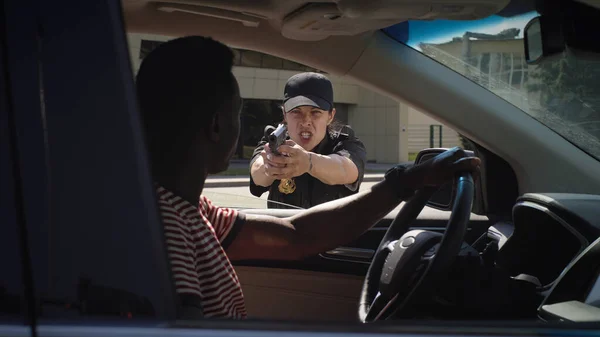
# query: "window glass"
{"type": "Point", "coordinates": [237, 57]}
{"type": "Point", "coordinates": [358, 107]}
{"type": "Point", "coordinates": [251, 59]}
{"type": "Point", "coordinates": [562, 91]}
{"type": "Point", "coordinates": [291, 65]}
{"type": "Point", "coordinates": [256, 114]}
{"type": "Point", "coordinates": [272, 62]}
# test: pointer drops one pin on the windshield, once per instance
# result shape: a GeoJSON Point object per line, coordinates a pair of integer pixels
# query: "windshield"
{"type": "Point", "coordinates": [240, 198]}
{"type": "Point", "coordinates": [562, 92]}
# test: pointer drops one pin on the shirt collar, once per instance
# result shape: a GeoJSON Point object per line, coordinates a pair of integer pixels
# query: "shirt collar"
{"type": "Point", "coordinates": [329, 137]}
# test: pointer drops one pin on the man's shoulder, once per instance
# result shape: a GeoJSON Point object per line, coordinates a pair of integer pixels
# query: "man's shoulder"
{"type": "Point", "coordinates": [162, 193]}
{"type": "Point", "coordinates": [205, 204]}
{"type": "Point", "coordinates": [170, 203]}
{"type": "Point", "coordinates": [209, 209]}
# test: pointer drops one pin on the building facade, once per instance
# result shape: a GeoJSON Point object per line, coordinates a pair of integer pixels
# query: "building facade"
{"type": "Point", "coordinates": [390, 130]}
{"type": "Point", "coordinates": [496, 62]}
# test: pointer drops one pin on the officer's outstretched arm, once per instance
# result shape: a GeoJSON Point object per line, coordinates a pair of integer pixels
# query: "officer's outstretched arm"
{"type": "Point", "coordinates": [329, 225]}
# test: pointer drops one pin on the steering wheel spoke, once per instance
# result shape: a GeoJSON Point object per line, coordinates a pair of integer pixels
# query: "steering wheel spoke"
{"type": "Point", "coordinates": [430, 254]}
{"type": "Point", "coordinates": [380, 307]}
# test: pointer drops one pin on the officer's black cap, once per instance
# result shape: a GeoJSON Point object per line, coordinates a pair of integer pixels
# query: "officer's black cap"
{"type": "Point", "coordinates": [308, 89]}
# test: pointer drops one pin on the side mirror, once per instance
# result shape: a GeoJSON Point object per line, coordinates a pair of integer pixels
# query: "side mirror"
{"type": "Point", "coordinates": [443, 199]}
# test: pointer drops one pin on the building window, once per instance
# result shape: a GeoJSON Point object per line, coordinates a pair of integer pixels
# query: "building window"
{"type": "Point", "coordinates": [251, 59]}
{"type": "Point", "coordinates": [484, 64]}
{"type": "Point", "coordinates": [271, 62]}
{"type": "Point", "coordinates": [291, 65]}
{"type": "Point", "coordinates": [256, 114]}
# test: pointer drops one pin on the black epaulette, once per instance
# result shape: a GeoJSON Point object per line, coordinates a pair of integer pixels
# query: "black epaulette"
{"type": "Point", "coordinates": [345, 132]}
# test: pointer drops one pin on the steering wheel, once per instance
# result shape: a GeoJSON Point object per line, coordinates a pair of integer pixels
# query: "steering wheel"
{"type": "Point", "coordinates": [407, 263]}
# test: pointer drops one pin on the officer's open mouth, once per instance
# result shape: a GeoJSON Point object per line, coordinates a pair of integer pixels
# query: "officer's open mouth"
{"type": "Point", "coordinates": [306, 135]}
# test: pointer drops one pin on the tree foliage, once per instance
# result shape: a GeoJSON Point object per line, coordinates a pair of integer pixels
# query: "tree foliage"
{"type": "Point", "coordinates": [568, 86]}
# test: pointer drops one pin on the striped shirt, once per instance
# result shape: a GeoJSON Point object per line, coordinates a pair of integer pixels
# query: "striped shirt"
{"type": "Point", "coordinates": [196, 241]}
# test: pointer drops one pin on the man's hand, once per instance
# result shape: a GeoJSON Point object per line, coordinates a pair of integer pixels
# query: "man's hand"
{"type": "Point", "coordinates": [294, 161]}
{"type": "Point", "coordinates": [442, 168]}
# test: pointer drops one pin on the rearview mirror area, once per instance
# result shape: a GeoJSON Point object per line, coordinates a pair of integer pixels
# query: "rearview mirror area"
{"type": "Point", "coordinates": [542, 37]}
{"type": "Point", "coordinates": [561, 25]}
{"type": "Point", "coordinates": [533, 40]}
{"type": "Point", "coordinates": [443, 198]}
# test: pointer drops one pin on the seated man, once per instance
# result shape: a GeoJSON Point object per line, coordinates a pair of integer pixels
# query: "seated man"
{"type": "Point", "coordinates": [190, 105]}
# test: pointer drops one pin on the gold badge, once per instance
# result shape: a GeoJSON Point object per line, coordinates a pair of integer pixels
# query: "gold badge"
{"type": "Point", "coordinates": [287, 186]}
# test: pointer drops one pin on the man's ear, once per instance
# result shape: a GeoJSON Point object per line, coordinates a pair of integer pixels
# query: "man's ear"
{"type": "Point", "coordinates": [214, 130]}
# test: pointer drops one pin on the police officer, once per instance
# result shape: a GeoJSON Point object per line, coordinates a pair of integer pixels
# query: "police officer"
{"type": "Point", "coordinates": [317, 163]}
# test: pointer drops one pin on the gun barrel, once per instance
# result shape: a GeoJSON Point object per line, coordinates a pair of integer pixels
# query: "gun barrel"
{"type": "Point", "coordinates": [277, 137]}
{"type": "Point", "coordinates": [278, 133]}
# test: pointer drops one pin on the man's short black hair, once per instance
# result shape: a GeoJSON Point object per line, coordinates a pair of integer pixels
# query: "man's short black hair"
{"type": "Point", "coordinates": [181, 84]}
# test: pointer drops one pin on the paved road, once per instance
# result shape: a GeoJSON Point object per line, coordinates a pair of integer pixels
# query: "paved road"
{"type": "Point", "coordinates": [241, 197]}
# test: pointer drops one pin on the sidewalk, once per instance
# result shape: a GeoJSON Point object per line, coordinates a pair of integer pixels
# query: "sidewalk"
{"type": "Point", "coordinates": [244, 180]}
{"type": "Point", "coordinates": [243, 163]}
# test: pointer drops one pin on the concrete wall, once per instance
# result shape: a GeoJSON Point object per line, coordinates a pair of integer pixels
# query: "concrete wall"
{"type": "Point", "coordinates": [262, 83]}
{"type": "Point", "coordinates": [419, 130]}
{"type": "Point", "coordinates": [379, 121]}
{"type": "Point", "coordinates": [383, 124]}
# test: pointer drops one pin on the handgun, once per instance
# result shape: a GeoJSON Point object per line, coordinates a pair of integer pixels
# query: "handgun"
{"type": "Point", "coordinates": [277, 137]}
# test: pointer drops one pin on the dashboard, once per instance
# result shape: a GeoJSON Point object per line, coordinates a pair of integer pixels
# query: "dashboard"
{"type": "Point", "coordinates": [542, 243]}
{"type": "Point", "coordinates": [556, 240]}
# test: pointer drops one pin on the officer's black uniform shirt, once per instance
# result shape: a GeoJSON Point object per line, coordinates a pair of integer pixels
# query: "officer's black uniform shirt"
{"type": "Point", "coordinates": [310, 191]}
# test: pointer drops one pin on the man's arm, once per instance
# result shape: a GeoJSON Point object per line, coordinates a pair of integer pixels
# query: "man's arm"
{"type": "Point", "coordinates": [337, 222]}
{"type": "Point", "coordinates": [318, 229]}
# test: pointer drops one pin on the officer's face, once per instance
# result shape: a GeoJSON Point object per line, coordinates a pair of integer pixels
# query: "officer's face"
{"type": "Point", "coordinates": [307, 125]}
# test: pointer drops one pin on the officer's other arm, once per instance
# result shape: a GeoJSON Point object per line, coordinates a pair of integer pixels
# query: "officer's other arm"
{"type": "Point", "coordinates": [257, 171]}
{"type": "Point", "coordinates": [333, 169]}
{"type": "Point", "coordinates": [257, 166]}
{"type": "Point", "coordinates": [351, 157]}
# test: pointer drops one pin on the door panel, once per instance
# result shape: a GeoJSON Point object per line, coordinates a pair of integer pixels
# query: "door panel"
{"type": "Point", "coordinates": [353, 262]}
{"type": "Point", "coordinates": [326, 286]}
{"type": "Point", "coordinates": [296, 295]}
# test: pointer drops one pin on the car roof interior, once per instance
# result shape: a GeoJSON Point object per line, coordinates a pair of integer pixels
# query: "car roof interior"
{"type": "Point", "coordinates": [342, 28]}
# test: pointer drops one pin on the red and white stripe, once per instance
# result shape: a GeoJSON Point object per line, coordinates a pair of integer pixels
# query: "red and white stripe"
{"type": "Point", "coordinates": [198, 261]}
